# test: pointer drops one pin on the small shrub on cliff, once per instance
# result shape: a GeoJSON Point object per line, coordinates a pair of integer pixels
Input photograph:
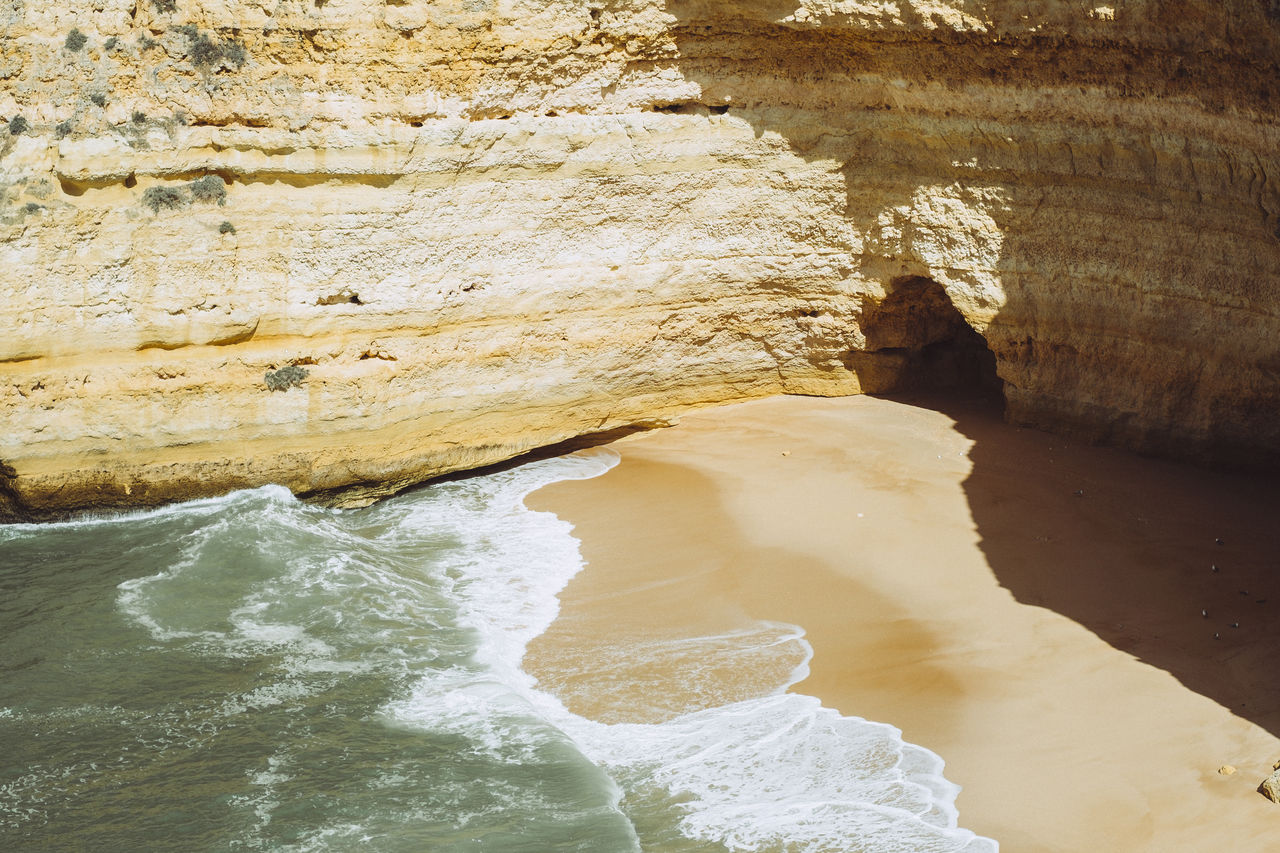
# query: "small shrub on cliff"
{"type": "Point", "coordinates": [75, 40]}
{"type": "Point", "coordinates": [205, 53]}
{"type": "Point", "coordinates": [235, 53]}
{"type": "Point", "coordinates": [163, 198]}
{"type": "Point", "coordinates": [63, 129]}
{"type": "Point", "coordinates": [210, 188]}
{"type": "Point", "coordinates": [165, 6]}
{"type": "Point", "coordinates": [110, 44]}
{"type": "Point", "coordinates": [226, 228]}
{"type": "Point", "coordinates": [18, 125]}
{"type": "Point", "coordinates": [289, 376]}
{"type": "Point", "coordinates": [98, 99]}
{"type": "Point", "coordinates": [139, 117]}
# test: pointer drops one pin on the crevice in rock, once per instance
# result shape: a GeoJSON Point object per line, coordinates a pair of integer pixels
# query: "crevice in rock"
{"type": "Point", "coordinates": [342, 297]}
{"type": "Point", "coordinates": [690, 108]}
{"type": "Point", "coordinates": [12, 507]}
{"type": "Point", "coordinates": [302, 181]}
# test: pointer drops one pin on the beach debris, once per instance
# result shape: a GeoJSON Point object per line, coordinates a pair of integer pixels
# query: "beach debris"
{"type": "Point", "coordinates": [1244, 592]}
{"type": "Point", "coordinates": [1214, 567]}
{"type": "Point", "coordinates": [1215, 635]}
{"type": "Point", "coordinates": [1235, 624]}
{"type": "Point", "coordinates": [1270, 787]}
{"type": "Point", "coordinates": [786, 453]}
{"type": "Point", "coordinates": [1204, 613]}
{"type": "Point", "coordinates": [1226, 770]}
{"type": "Point", "coordinates": [1219, 542]}
{"type": "Point", "coordinates": [1079, 493]}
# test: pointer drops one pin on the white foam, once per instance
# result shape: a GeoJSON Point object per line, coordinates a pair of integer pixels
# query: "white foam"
{"type": "Point", "coordinates": [197, 508]}
{"type": "Point", "coordinates": [513, 561]}
{"type": "Point", "coordinates": [783, 770]}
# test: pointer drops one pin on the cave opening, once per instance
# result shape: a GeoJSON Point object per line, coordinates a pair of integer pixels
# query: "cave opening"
{"type": "Point", "coordinates": [917, 340]}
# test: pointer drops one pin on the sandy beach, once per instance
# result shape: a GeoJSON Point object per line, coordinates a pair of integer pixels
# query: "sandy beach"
{"type": "Point", "coordinates": [1027, 607]}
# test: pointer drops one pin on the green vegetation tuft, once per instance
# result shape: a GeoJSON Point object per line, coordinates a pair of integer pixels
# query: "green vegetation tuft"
{"type": "Point", "coordinates": [226, 228]}
{"type": "Point", "coordinates": [18, 125]}
{"type": "Point", "coordinates": [206, 52]}
{"type": "Point", "coordinates": [63, 129]}
{"type": "Point", "coordinates": [98, 99]}
{"type": "Point", "coordinates": [235, 53]}
{"type": "Point", "coordinates": [163, 198]}
{"type": "Point", "coordinates": [75, 40]}
{"type": "Point", "coordinates": [165, 6]}
{"type": "Point", "coordinates": [210, 188]}
{"type": "Point", "coordinates": [289, 376]}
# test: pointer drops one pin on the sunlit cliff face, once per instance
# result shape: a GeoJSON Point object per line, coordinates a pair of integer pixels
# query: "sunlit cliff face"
{"type": "Point", "coordinates": [474, 228]}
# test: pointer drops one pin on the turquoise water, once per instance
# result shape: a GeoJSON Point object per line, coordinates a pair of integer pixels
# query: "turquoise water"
{"type": "Point", "coordinates": [253, 673]}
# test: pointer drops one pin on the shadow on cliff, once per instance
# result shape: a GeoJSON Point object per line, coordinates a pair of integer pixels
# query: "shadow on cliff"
{"type": "Point", "coordinates": [1123, 545]}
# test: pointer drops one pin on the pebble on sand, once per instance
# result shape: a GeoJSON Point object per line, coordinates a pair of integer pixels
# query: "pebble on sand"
{"type": "Point", "coordinates": [1226, 770]}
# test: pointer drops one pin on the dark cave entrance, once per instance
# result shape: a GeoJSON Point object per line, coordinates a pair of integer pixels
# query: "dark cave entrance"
{"type": "Point", "coordinates": [918, 341]}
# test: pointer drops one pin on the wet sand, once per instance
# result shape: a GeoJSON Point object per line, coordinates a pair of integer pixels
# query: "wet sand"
{"type": "Point", "coordinates": [1027, 607]}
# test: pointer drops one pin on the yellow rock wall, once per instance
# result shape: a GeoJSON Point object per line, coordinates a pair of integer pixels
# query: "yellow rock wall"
{"type": "Point", "coordinates": [480, 227]}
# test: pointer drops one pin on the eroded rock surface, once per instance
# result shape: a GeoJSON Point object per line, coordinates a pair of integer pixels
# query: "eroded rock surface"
{"type": "Point", "coordinates": [480, 227]}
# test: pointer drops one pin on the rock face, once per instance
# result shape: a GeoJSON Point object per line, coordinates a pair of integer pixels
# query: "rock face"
{"type": "Point", "coordinates": [479, 226]}
{"type": "Point", "coordinates": [1270, 787]}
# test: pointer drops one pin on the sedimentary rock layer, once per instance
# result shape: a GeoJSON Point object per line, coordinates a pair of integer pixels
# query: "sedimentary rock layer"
{"type": "Point", "coordinates": [473, 228]}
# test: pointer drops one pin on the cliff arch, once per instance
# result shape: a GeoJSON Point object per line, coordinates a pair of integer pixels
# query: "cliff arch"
{"type": "Point", "coordinates": [916, 339]}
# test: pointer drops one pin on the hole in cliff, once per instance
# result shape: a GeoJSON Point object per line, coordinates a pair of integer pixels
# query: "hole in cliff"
{"type": "Point", "coordinates": [72, 188]}
{"type": "Point", "coordinates": [131, 182]}
{"type": "Point", "coordinates": [342, 297]}
{"type": "Point", "coordinates": [918, 341]}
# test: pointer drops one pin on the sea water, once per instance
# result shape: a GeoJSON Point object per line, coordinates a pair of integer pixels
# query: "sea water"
{"type": "Point", "coordinates": [255, 673]}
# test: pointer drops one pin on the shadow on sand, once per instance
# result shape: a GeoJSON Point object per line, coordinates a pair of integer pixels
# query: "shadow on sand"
{"type": "Point", "coordinates": [1174, 564]}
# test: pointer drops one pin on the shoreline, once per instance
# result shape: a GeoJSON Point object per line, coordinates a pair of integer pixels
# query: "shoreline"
{"type": "Point", "coordinates": [939, 566]}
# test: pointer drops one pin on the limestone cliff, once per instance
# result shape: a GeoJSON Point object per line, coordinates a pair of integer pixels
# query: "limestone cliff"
{"type": "Point", "coordinates": [334, 244]}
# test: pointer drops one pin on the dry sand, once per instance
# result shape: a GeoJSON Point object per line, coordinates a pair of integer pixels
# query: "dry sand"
{"type": "Point", "coordinates": [1027, 607]}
